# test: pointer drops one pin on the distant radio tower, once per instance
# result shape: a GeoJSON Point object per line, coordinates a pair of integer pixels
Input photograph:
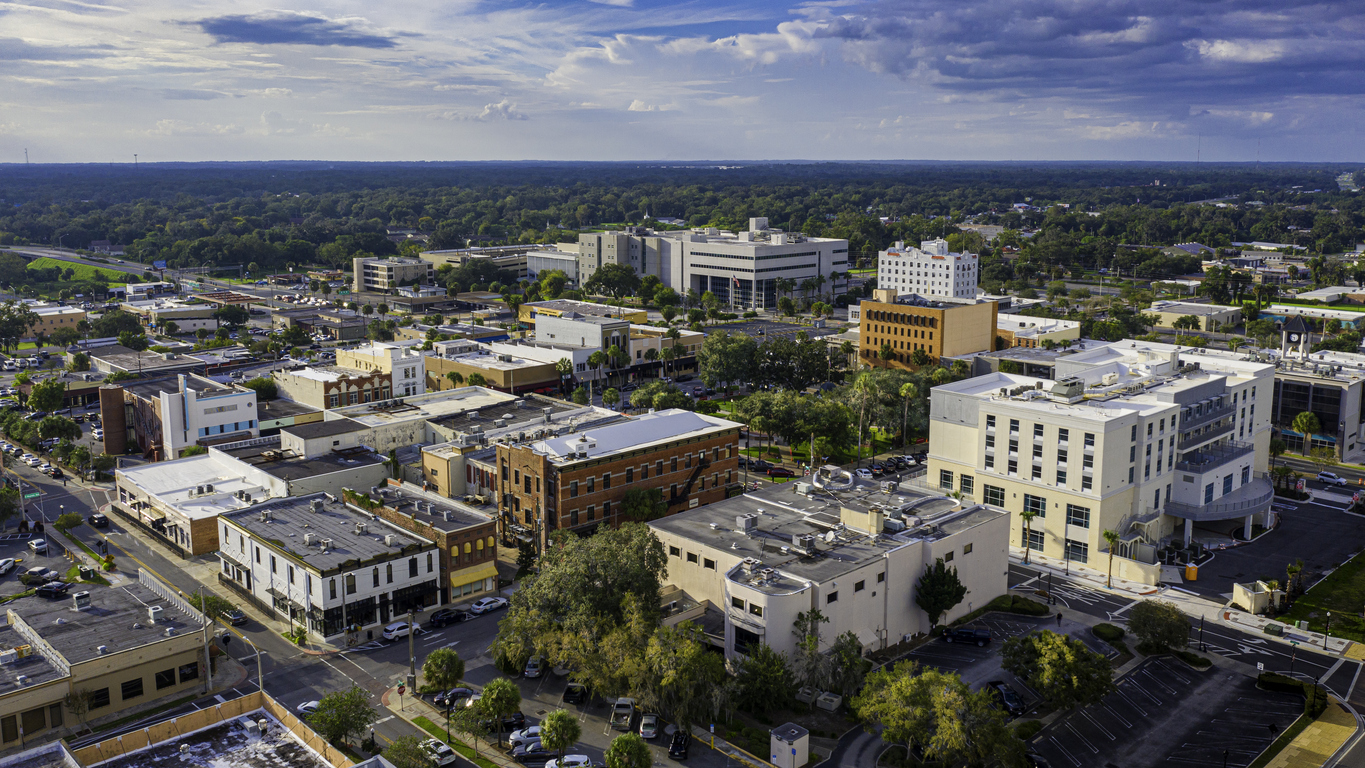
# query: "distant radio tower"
{"type": "Point", "coordinates": [1199, 148]}
{"type": "Point", "coordinates": [135, 161]}
{"type": "Point", "coordinates": [25, 155]}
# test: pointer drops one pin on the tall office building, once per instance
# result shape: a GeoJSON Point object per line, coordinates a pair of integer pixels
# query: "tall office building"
{"type": "Point", "coordinates": [929, 270]}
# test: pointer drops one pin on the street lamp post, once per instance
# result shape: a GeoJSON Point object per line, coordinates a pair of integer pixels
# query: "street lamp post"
{"type": "Point", "coordinates": [1325, 631]}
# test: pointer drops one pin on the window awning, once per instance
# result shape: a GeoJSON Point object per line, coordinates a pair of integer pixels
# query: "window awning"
{"type": "Point", "coordinates": [478, 573]}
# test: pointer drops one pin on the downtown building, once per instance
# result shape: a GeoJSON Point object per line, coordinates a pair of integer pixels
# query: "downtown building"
{"type": "Point", "coordinates": [1145, 439]}
{"type": "Point", "coordinates": [929, 270]}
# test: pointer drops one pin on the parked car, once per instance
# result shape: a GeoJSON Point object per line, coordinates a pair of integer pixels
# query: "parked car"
{"type": "Point", "coordinates": [510, 723]}
{"type": "Point", "coordinates": [38, 546]}
{"type": "Point", "coordinates": [451, 697]}
{"type": "Point", "coordinates": [532, 754]}
{"type": "Point", "coordinates": [441, 754]}
{"type": "Point", "coordinates": [399, 630]}
{"type": "Point", "coordinates": [31, 460]}
{"type": "Point", "coordinates": [42, 572]}
{"type": "Point", "coordinates": [760, 465]}
{"type": "Point", "coordinates": [1008, 699]}
{"type": "Point", "coordinates": [967, 635]}
{"type": "Point", "coordinates": [649, 726]}
{"type": "Point", "coordinates": [98, 520]}
{"type": "Point", "coordinates": [486, 604]}
{"type": "Point", "coordinates": [677, 748]}
{"type": "Point", "coordinates": [97, 433]}
{"type": "Point", "coordinates": [236, 617]}
{"type": "Point", "coordinates": [571, 761]}
{"type": "Point", "coordinates": [448, 616]}
{"type": "Point", "coordinates": [535, 667]}
{"type": "Point", "coordinates": [524, 736]}
{"type": "Point", "coordinates": [6, 565]}
{"type": "Point", "coordinates": [864, 473]}
{"type": "Point", "coordinates": [781, 472]}
{"type": "Point", "coordinates": [575, 693]}
{"type": "Point", "coordinates": [307, 708]}
{"type": "Point", "coordinates": [55, 590]}
{"type": "Point", "coordinates": [1331, 478]}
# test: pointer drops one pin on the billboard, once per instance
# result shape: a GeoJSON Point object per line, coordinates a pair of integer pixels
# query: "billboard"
{"type": "Point", "coordinates": [158, 265]}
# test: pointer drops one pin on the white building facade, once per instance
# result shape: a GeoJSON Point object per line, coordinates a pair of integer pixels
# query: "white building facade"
{"type": "Point", "coordinates": [929, 270]}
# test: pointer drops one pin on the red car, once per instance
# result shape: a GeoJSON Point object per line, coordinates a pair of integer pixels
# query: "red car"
{"type": "Point", "coordinates": [781, 472]}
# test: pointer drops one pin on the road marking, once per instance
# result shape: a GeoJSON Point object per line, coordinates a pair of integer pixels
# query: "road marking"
{"type": "Point", "coordinates": [220, 699]}
{"type": "Point", "coordinates": [1058, 745]}
{"type": "Point", "coordinates": [1096, 723]}
{"type": "Point", "coordinates": [1331, 671]}
{"type": "Point", "coordinates": [1116, 715]}
{"type": "Point", "coordinates": [384, 719]}
{"type": "Point", "coordinates": [1083, 739]}
{"type": "Point", "coordinates": [1115, 614]}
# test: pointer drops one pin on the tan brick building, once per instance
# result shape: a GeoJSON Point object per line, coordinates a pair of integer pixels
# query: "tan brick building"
{"type": "Point", "coordinates": [579, 480]}
{"type": "Point", "coordinates": [940, 327]}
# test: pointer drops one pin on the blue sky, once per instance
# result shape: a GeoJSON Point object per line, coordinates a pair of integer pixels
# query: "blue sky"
{"type": "Point", "coordinates": [99, 80]}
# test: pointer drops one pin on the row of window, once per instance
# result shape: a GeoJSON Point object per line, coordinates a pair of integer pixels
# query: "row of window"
{"type": "Point", "coordinates": [364, 396]}
{"type": "Point", "coordinates": [35, 720]}
{"type": "Point", "coordinates": [350, 577]}
{"type": "Point", "coordinates": [221, 429]}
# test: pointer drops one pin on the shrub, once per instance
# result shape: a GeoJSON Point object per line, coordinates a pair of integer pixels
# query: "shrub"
{"type": "Point", "coordinates": [1193, 659]}
{"type": "Point", "coordinates": [1107, 632]}
{"type": "Point", "coordinates": [1028, 729]}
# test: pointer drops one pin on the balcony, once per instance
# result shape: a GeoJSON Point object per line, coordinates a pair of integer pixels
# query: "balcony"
{"type": "Point", "coordinates": [1251, 499]}
{"type": "Point", "coordinates": [1185, 443]}
{"type": "Point", "coordinates": [1208, 459]}
{"type": "Point", "coordinates": [1207, 417]}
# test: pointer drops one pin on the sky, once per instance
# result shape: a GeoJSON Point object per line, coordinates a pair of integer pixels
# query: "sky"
{"type": "Point", "coordinates": [183, 80]}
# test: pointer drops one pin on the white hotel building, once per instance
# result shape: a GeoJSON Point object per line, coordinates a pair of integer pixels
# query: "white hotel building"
{"type": "Point", "coordinates": [929, 270]}
{"type": "Point", "coordinates": [1145, 439]}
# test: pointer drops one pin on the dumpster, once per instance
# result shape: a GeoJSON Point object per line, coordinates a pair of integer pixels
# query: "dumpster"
{"type": "Point", "coordinates": [1191, 573]}
{"type": "Point", "coordinates": [87, 572]}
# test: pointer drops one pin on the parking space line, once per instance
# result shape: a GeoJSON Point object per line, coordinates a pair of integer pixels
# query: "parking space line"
{"type": "Point", "coordinates": [1138, 689]}
{"type": "Point", "coordinates": [1082, 739]}
{"type": "Point", "coordinates": [1116, 715]}
{"type": "Point", "coordinates": [1086, 714]}
{"type": "Point", "coordinates": [1147, 673]}
{"type": "Point", "coordinates": [1173, 671]}
{"type": "Point", "coordinates": [1065, 753]}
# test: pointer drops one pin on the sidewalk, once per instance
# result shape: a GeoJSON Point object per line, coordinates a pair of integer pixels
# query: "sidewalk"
{"type": "Point", "coordinates": [1319, 741]}
{"type": "Point", "coordinates": [1091, 577]}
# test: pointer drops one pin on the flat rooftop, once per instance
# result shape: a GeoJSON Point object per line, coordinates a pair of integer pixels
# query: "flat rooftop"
{"type": "Point", "coordinates": [227, 745]}
{"type": "Point", "coordinates": [284, 525]}
{"type": "Point", "coordinates": [38, 669]}
{"type": "Point", "coordinates": [1028, 325]}
{"type": "Point", "coordinates": [1191, 308]}
{"type": "Point", "coordinates": [432, 405]}
{"type": "Point", "coordinates": [783, 512]}
{"type": "Point", "coordinates": [643, 432]}
{"type": "Point", "coordinates": [178, 484]}
{"type": "Point", "coordinates": [117, 618]}
{"type": "Point", "coordinates": [529, 414]}
{"type": "Point", "coordinates": [578, 307]}
{"type": "Point", "coordinates": [325, 429]}
{"type": "Point", "coordinates": [327, 373]}
{"type": "Point", "coordinates": [491, 361]}
{"type": "Point", "coordinates": [119, 356]}
{"type": "Point", "coordinates": [291, 467]}
{"type": "Point", "coordinates": [281, 409]}
{"type": "Point", "coordinates": [432, 508]}
{"type": "Point", "coordinates": [150, 389]}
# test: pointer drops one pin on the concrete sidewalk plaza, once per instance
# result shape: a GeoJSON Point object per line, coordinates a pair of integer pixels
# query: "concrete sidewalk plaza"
{"type": "Point", "coordinates": [1319, 741]}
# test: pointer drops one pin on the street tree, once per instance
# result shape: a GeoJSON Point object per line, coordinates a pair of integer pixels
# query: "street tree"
{"type": "Point", "coordinates": [58, 428]}
{"type": "Point", "coordinates": [611, 395]}
{"type": "Point", "coordinates": [628, 751]}
{"type": "Point", "coordinates": [680, 673]}
{"type": "Point", "coordinates": [641, 504]}
{"type": "Point", "coordinates": [1112, 539]}
{"type": "Point", "coordinates": [476, 380]}
{"type": "Point", "coordinates": [47, 395]}
{"type": "Point", "coordinates": [938, 590]}
{"type": "Point", "coordinates": [1159, 624]}
{"type": "Point", "coordinates": [615, 279]}
{"type": "Point", "coordinates": [810, 667]}
{"type": "Point", "coordinates": [211, 605]}
{"type": "Point", "coordinates": [1027, 515]}
{"type": "Point", "coordinates": [848, 669]}
{"type": "Point", "coordinates": [134, 340]}
{"type": "Point", "coordinates": [78, 702]}
{"type": "Point", "coordinates": [15, 321]}
{"type": "Point", "coordinates": [409, 752]}
{"type": "Point", "coordinates": [343, 714]}
{"type": "Point", "coordinates": [1323, 458]}
{"type": "Point", "coordinates": [560, 730]}
{"type": "Point", "coordinates": [443, 668]}
{"type": "Point", "coordinates": [765, 681]}
{"type": "Point", "coordinates": [501, 697]}
{"type": "Point", "coordinates": [1306, 424]}
{"type": "Point", "coordinates": [1061, 669]}
{"type": "Point", "coordinates": [726, 358]}
{"type": "Point", "coordinates": [78, 362]}
{"type": "Point", "coordinates": [455, 378]}
{"type": "Point", "coordinates": [263, 386]}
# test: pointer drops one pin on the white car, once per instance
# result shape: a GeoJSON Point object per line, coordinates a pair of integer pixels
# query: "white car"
{"type": "Point", "coordinates": [1331, 479]}
{"type": "Point", "coordinates": [440, 753]}
{"type": "Point", "coordinates": [524, 736]}
{"type": "Point", "coordinates": [399, 630]}
{"type": "Point", "coordinates": [472, 700]}
{"type": "Point", "coordinates": [571, 761]}
{"type": "Point", "coordinates": [486, 604]}
{"type": "Point", "coordinates": [31, 460]}
{"type": "Point", "coordinates": [865, 474]}
{"type": "Point", "coordinates": [307, 708]}
{"type": "Point", "coordinates": [6, 565]}
{"type": "Point", "coordinates": [97, 433]}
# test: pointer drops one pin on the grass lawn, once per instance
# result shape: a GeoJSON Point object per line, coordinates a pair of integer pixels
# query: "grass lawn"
{"type": "Point", "coordinates": [459, 746]}
{"type": "Point", "coordinates": [1292, 303]}
{"type": "Point", "coordinates": [82, 271]}
{"type": "Point", "coordinates": [1342, 593]}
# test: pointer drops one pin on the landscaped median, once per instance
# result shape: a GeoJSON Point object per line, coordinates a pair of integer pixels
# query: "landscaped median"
{"type": "Point", "coordinates": [1322, 729]}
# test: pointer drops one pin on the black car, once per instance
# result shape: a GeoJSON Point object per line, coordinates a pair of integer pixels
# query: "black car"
{"type": "Point", "coordinates": [1007, 698]}
{"type": "Point", "coordinates": [967, 635]}
{"type": "Point", "coordinates": [98, 520]}
{"type": "Point", "coordinates": [236, 617]}
{"type": "Point", "coordinates": [781, 472]}
{"type": "Point", "coordinates": [36, 416]}
{"type": "Point", "coordinates": [53, 590]}
{"type": "Point", "coordinates": [878, 470]}
{"type": "Point", "coordinates": [677, 748]}
{"type": "Point", "coordinates": [509, 723]}
{"type": "Point", "coordinates": [576, 693]}
{"type": "Point", "coordinates": [55, 473]}
{"type": "Point", "coordinates": [533, 754]}
{"type": "Point", "coordinates": [448, 698]}
{"type": "Point", "coordinates": [743, 462]}
{"type": "Point", "coordinates": [448, 616]}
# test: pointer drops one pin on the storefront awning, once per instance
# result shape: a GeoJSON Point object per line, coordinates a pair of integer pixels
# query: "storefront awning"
{"type": "Point", "coordinates": [478, 573]}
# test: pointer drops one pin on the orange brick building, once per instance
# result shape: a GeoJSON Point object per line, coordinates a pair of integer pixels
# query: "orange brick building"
{"type": "Point", "coordinates": [908, 323]}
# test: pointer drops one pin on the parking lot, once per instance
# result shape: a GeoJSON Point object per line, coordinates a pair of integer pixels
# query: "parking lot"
{"type": "Point", "coordinates": [15, 545]}
{"type": "Point", "coordinates": [1165, 713]}
{"type": "Point", "coordinates": [768, 329]}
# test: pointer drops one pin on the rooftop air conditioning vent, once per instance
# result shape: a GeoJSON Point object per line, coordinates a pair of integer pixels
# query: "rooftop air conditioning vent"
{"type": "Point", "coordinates": [154, 613]}
{"type": "Point", "coordinates": [309, 538]}
{"type": "Point", "coordinates": [315, 505]}
{"type": "Point", "coordinates": [390, 539]}
{"type": "Point", "coordinates": [326, 544]}
{"type": "Point", "coordinates": [361, 528]}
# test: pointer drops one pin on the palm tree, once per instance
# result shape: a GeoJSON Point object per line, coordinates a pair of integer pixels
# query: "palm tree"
{"type": "Point", "coordinates": [1027, 516]}
{"type": "Point", "coordinates": [1112, 537]}
{"type": "Point", "coordinates": [668, 355]}
{"type": "Point", "coordinates": [595, 361]}
{"type": "Point", "coordinates": [618, 358]}
{"type": "Point", "coordinates": [1306, 424]}
{"type": "Point", "coordinates": [785, 285]}
{"type": "Point", "coordinates": [908, 393]}
{"type": "Point", "coordinates": [455, 379]}
{"type": "Point", "coordinates": [651, 356]}
{"type": "Point", "coordinates": [565, 369]}
{"type": "Point", "coordinates": [847, 349]}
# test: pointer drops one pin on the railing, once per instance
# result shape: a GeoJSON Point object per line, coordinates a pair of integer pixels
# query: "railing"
{"type": "Point", "coordinates": [1264, 493]}
{"type": "Point", "coordinates": [1206, 417]}
{"type": "Point", "coordinates": [1203, 437]}
{"type": "Point", "coordinates": [1206, 459]}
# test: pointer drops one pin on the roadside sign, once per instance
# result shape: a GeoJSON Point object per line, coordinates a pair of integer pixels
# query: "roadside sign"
{"type": "Point", "coordinates": [33, 495]}
{"type": "Point", "coordinates": [1260, 666]}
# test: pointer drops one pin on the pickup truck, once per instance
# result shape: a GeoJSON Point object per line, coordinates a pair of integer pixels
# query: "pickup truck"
{"type": "Point", "coordinates": [622, 712]}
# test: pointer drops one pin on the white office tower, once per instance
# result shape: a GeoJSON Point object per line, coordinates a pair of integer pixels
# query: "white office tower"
{"type": "Point", "coordinates": [929, 270]}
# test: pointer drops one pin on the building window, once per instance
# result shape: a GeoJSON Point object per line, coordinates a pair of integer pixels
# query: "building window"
{"type": "Point", "coordinates": [1246, 475]}
{"type": "Point", "coordinates": [1013, 467]}
{"type": "Point", "coordinates": [430, 565]}
{"type": "Point", "coordinates": [1035, 504]}
{"type": "Point", "coordinates": [1079, 516]}
{"type": "Point", "coordinates": [993, 495]}
{"type": "Point", "coordinates": [881, 577]}
{"type": "Point", "coordinates": [332, 589]}
{"type": "Point", "coordinates": [630, 475]}
{"type": "Point", "coordinates": [967, 484]}
{"type": "Point", "coordinates": [1038, 431]}
{"type": "Point", "coordinates": [388, 572]}
{"type": "Point", "coordinates": [832, 597]}
{"type": "Point", "coordinates": [1133, 437]}
{"type": "Point", "coordinates": [967, 549]}
{"type": "Point", "coordinates": [1037, 472]}
{"type": "Point", "coordinates": [606, 481]}
{"type": "Point", "coordinates": [1077, 550]}
{"type": "Point", "coordinates": [1208, 493]}
{"type": "Point", "coordinates": [412, 568]}
{"type": "Point", "coordinates": [573, 488]}
{"type": "Point", "coordinates": [1061, 476]}
{"type": "Point", "coordinates": [374, 573]}
{"type": "Point", "coordinates": [859, 585]}
{"type": "Point", "coordinates": [100, 698]}
{"type": "Point", "coordinates": [945, 479]}
{"type": "Point", "coordinates": [736, 602]}
{"type": "Point", "coordinates": [258, 555]}
{"type": "Point", "coordinates": [291, 574]}
{"type": "Point", "coordinates": [272, 563]}
{"type": "Point", "coordinates": [948, 556]}
{"type": "Point", "coordinates": [755, 609]}
{"type": "Point", "coordinates": [350, 583]}
{"type": "Point", "coordinates": [708, 563]}
{"type": "Point", "coordinates": [592, 483]}
{"type": "Point", "coordinates": [990, 461]}
{"type": "Point", "coordinates": [1063, 435]}
{"type": "Point", "coordinates": [54, 716]}
{"type": "Point", "coordinates": [132, 689]}
{"type": "Point", "coordinates": [189, 672]}
{"type": "Point", "coordinates": [674, 552]}
{"type": "Point", "coordinates": [692, 558]}
{"type": "Point", "coordinates": [1035, 540]}
{"type": "Point", "coordinates": [1227, 485]}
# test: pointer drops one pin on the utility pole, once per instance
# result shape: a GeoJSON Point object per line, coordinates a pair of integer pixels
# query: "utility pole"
{"type": "Point", "coordinates": [412, 653]}
{"type": "Point", "coordinates": [208, 669]}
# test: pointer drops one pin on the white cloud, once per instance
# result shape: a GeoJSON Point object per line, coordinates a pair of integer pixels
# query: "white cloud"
{"type": "Point", "coordinates": [640, 106]}
{"type": "Point", "coordinates": [185, 128]}
{"type": "Point", "coordinates": [1238, 51]}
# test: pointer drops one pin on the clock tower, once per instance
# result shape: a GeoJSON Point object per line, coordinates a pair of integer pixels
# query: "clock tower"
{"type": "Point", "coordinates": [1294, 333]}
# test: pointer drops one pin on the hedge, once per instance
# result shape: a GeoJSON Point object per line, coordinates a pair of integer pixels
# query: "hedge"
{"type": "Point", "coordinates": [1107, 632]}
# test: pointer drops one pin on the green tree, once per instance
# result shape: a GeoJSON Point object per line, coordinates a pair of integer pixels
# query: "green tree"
{"type": "Point", "coordinates": [726, 359]}
{"type": "Point", "coordinates": [560, 730]}
{"type": "Point", "coordinates": [134, 340]}
{"type": "Point", "coordinates": [443, 668]}
{"type": "Point", "coordinates": [1159, 624]}
{"type": "Point", "coordinates": [263, 386]}
{"type": "Point", "coordinates": [58, 427]}
{"type": "Point", "coordinates": [611, 395]}
{"type": "Point", "coordinates": [1186, 323]}
{"type": "Point", "coordinates": [1323, 458]}
{"type": "Point", "coordinates": [1027, 516]}
{"type": "Point", "coordinates": [79, 362]}
{"type": "Point", "coordinates": [848, 668]}
{"type": "Point", "coordinates": [1277, 449]}
{"type": "Point", "coordinates": [343, 714]}
{"type": "Point", "coordinates": [1061, 669]}
{"type": "Point", "coordinates": [232, 315]}
{"type": "Point", "coordinates": [628, 751]}
{"type": "Point", "coordinates": [580, 396]}
{"type": "Point", "coordinates": [641, 504]}
{"type": "Point", "coordinates": [48, 396]}
{"type": "Point", "coordinates": [455, 379]}
{"type": "Point", "coordinates": [77, 702]}
{"type": "Point", "coordinates": [526, 556]}
{"type": "Point", "coordinates": [615, 279]}
{"type": "Point", "coordinates": [938, 590]}
{"type": "Point", "coordinates": [681, 675]}
{"type": "Point", "coordinates": [476, 380]}
{"type": "Point", "coordinates": [810, 667]}
{"type": "Point", "coordinates": [765, 681]}
{"type": "Point", "coordinates": [501, 697]}
{"type": "Point", "coordinates": [171, 328]}
{"type": "Point", "coordinates": [409, 752]}
{"type": "Point", "coordinates": [68, 521]}
{"type": "Point", "coordinates": [211, 605]}
{"type": "Point", "coordinates": [1112, 539]}
{"type": "Point", "coordinates": [1306, 424]}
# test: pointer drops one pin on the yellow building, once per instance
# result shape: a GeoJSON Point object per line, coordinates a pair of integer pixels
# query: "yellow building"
{"type": "Point", "coordinates": [54, 316]}
{"type": "Point", "coordinates": [906, 324]}
{"type": "Point", "coordinates": [1034, 332]}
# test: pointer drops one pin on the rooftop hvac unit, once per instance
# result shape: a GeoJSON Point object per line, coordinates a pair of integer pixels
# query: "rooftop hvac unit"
{"type": "Point", "coordinates": [199, 490]}
{"type": "Point", "coordinates": [445, 513]}
{"type": "Point", "coordinates": [265, 513]}
{"type": "Point", "coordinates": [246, 497]}
{"type": "Point", "coordinates": [208, 487]}
{"type": "Point", "coordinates": [8, 656]}
{"type": "Point", "coordinates": [747, 523]}
{"type": "Point", "coordinates": [154, 613]}
{"type": "Point", "coordinates": [315, 505]}
{"type": "Point", "coordinates": [309, 538]}
{"type": "Point", "coordinates": [390, 539]}
{"type": "Point", "coordinates": [361, 528]}
{"type": "Point", "coordinates": [326, 543]}
{"type": "Point", "coordinates": [499, 423]}
{"type": "Point", "coordinates": [23, 679]}
{"type": "Point", "coordinates": [80, 601]}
